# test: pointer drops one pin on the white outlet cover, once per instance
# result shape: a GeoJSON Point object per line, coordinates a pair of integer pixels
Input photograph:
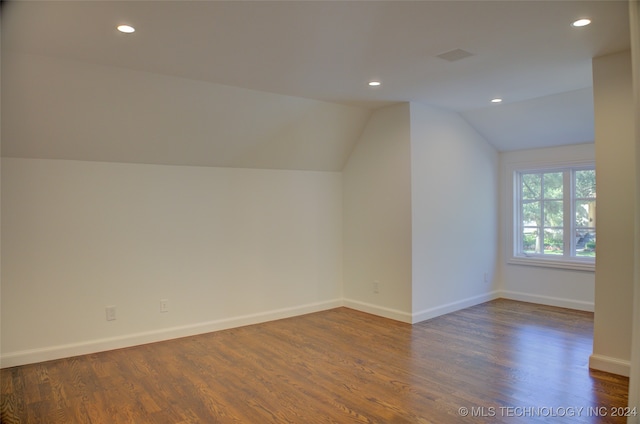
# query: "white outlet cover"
{"type": "Point", "coordinates": [111, 313]}
{"type": "Point", "coordinates": [164, 305]}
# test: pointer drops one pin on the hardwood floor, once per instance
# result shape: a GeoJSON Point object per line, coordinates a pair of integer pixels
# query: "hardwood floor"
{"type": "Point", "coordinates": [503, 361]}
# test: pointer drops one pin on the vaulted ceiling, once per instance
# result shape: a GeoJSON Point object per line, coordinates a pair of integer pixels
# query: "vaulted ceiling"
{"type": "Point", "coordinates": [325, 52]}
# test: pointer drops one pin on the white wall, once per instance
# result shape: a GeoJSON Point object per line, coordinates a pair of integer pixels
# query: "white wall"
{"type": "Point", "coordinates": [402, 225]}
{"type": "Point", "coordinates": [556, 287]}
{"type": "Point", "coordinates": [454, 185]}
{"type": "Point", "coordinates": [634, 381]}
{"type": "Point", "coordinates": [377, 216]}
{"type": "Point", "coordinates": [0, 185]}
{"type": "Point", "coordinates": [615, 178]}
{"type": "Point", "coordinates": [225, 246]}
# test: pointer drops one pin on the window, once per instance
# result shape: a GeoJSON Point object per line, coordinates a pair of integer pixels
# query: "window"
{"type": "Point", "coordinates": [554, 213]}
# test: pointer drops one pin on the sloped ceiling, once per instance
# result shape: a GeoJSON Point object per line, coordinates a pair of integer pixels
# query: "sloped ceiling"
{"type": "Point", "coordinates": [284, 84]}
{"type": "Point", "coordinates": [556, 119]}
{"type": "Point", "coordinates": [59, 109]}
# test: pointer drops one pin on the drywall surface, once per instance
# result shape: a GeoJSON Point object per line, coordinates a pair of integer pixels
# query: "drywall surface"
{"type": "Point", "coordinates": [615, 179]}
{"type": "Point", "coordinates": [454, 185]}
{"type": "Point", "coordinates": [224, 246]}
{"type": "Point", "coordinates": [634, 381]}
{"type": "Point", "coordinates": [64, 109]}
{"type": "Point", "coordinates": [377, 217]}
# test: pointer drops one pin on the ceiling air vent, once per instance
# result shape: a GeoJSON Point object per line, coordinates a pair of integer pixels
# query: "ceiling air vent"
{"type": "Point", "coordinates": [454, 55]}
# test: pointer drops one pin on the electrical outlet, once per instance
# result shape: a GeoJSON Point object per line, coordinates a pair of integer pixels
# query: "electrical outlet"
{"type": "Point", "coordinates": [486, 277]}
{"type": "Point", "coordinates": [111, 313]}
{"type": "Point", "coordinates": [376, 286]}
{"type": "Point", "coordinates": [164, 305]}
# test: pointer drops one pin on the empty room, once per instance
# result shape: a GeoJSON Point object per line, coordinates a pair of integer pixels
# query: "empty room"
{"type": "Point", "coordinates": [320, 211]}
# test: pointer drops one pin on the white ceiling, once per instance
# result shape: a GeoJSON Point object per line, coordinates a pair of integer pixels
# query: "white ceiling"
{"type": "Point", "coordinates": [523, 51]}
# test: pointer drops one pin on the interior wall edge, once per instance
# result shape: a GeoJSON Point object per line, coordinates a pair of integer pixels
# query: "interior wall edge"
{"type": "Point", "coordinates": [381, 311]}
{"type": "Point", "coordinates": [447, 308]}
{"type": "Point", "coordinates": [609, 364]}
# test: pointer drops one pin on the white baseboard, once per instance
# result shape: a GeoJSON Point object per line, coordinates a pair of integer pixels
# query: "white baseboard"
{"type": "Point", "coordinates": [31, 356]}
{"type": "Point", "coordinates": [609, 364]}
{"type": "Point", "coordinates": [453, 306]}
{"type": "Point", "coordinates": [91, 346]}
{"type": "Point", "coordinates": [548, 300]}
{"type": "Point", "coordinates": [381, 311]}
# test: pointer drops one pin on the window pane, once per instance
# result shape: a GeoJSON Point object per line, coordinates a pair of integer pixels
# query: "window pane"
{"type": "Point", "coordinates": [530, 242]}
{"type": "Point", "coordinates": [586, 183]}
{"type": "Point", "coordinates": [553, 242]}
{"type": "Point", "coordinates": [586, 242]}
{"type": "Point", "coordinates": [553, 213]}
{"type": "Point", "coordinates": [531, 214]}
{"type": "Point", "coordinates": [585, 213]}
{"type": "Point", "coordinates": [553, 183]}
{"type": "Point", "coordinates": [531, 184]}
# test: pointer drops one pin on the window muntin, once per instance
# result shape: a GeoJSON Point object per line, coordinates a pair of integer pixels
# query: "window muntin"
{"type": "Point", "coordinates": [551, 206]}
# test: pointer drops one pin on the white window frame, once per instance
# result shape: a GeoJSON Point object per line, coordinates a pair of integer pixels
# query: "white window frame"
{"type": "Point", "coordinates": [514, 234]}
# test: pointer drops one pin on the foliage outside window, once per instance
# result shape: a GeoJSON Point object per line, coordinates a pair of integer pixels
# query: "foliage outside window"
{"type": "Point", "coordinates": [555, 215]}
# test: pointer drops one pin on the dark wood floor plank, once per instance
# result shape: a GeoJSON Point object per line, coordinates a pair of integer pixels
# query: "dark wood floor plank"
{"type": "Point", "coordinates": [498, 360]}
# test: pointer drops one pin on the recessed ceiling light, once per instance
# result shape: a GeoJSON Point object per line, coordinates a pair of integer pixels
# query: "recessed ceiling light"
{"type": "Point", "coordinates": [374, 83]}
{"type": "Point", "coordinates": [496, 100]}
{"type": "Point", "coordinates": [581, 22]}
{"type": "Point", "coordinates": [127, 29]}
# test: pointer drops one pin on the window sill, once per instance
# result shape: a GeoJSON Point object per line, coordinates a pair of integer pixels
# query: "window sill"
{"type": "Point", "coordinates": [576, 265]}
